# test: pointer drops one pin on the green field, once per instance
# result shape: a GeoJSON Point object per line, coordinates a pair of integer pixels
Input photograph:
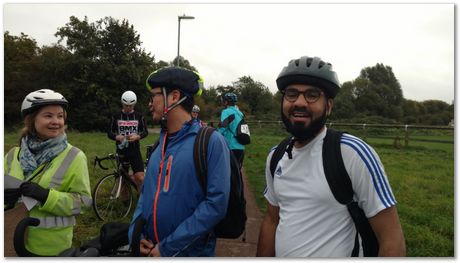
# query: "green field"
{"type": "Point", "coordinates": [421, 175]}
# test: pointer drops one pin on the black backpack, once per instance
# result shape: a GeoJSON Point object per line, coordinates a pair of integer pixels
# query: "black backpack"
{"type": "Point", "coordinates": [340, 185]}
{"type": "Point", "coordinates": [234, 222]}
{"type": "Point", "coordinates": [242, 134]}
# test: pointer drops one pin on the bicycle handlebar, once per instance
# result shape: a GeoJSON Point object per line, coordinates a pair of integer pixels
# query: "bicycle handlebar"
{"type": "Point", "coordinates": [98, 160]}
{"type": "Point", "coordinates": [19, 236]}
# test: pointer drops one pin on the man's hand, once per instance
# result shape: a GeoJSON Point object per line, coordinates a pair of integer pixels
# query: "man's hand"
{"type": "Point", "coordinates": [133, 137]}
{"type": "Point", "coordinates": [147, 248]}
{"type": "Point", "coordinates": [35, 191]}
{"type": "Point", "coordinates": [155, 252]}
{"type": "Point", "coordinates": [119, 137]}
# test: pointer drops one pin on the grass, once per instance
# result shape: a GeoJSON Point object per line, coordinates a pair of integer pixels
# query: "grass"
{"type": "Point", "coordinates": [421, 176]}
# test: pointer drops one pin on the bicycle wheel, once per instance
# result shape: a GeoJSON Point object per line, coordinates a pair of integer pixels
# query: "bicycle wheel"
{"type": "Point", "coordinates": [110, 200]}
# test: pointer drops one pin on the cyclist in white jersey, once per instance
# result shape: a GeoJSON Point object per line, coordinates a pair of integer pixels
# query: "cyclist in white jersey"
{"type": "Point", "coordinates": [303, 218]}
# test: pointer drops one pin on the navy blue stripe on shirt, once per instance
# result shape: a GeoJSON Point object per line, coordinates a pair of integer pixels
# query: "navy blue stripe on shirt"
{"type": "Point", "coordinates": [362, 149]}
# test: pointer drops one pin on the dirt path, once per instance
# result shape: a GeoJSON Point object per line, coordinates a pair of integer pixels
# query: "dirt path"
{"type": "Point", "coordinates": [236, 247]}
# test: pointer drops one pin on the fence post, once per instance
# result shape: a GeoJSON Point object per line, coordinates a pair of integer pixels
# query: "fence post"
{"type": "Point", "coordinates": [260, 126]}
{"type": "Point", "coordinates": [406, 138]}
{"type": "Point", "coordinates": [365, 132]}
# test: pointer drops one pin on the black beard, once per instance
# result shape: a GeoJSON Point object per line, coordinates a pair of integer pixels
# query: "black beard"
{"type": "Point", "coordinates": [302, 133]}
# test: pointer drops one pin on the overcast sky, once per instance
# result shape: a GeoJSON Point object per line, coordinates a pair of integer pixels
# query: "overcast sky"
{"type": "Point", "coordinates": [228, 41]}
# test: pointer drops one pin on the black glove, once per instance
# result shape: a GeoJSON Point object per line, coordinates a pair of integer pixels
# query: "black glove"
{"type": "Point", "coordinates": [11, 196]}
{"type": "Point", "coordinates": [35, 191]}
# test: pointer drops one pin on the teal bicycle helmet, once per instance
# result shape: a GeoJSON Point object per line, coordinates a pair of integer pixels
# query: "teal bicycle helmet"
{"type": "Point", "coordinates": [231, 97]}
{"type": "Point", "coordinates": [310, 71]}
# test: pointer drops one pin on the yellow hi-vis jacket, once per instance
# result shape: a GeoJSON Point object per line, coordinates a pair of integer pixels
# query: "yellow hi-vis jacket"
{"type": "Point", "coordinates": [67, 178]}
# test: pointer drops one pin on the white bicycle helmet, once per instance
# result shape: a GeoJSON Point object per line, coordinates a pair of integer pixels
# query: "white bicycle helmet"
{"type": "Point", "coordinates": [128, 98]}
{"type": "Point", "coordinates": [196, 109]}
{"type": "Point", "coordinates": [42, 97]}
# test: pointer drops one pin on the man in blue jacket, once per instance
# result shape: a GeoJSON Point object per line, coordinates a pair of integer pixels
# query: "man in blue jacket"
{"type": "Point", "coordinates": [229, 119]}
{"type": "Point", "coordinates": [180, 215]}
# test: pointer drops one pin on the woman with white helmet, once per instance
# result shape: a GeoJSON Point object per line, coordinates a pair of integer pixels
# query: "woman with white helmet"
{"type": "Point", "coordinates": [49, 171]}
{"type": "Point", "coordinates": [127, 128]}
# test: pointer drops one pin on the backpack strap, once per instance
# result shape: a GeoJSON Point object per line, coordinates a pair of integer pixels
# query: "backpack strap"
{"type": "Point", "coordinates": [150, 149]}
{"type": "Point", "coordinates": [226, 122]}
{"type": "Point", "coordinates": [278, 154]}
{"type": "Point", "coordinates": [340, 184]}
{"type": "Point", "coordinates": [334, 169]}
{"type": "Point", "coordinates": [200, 154]}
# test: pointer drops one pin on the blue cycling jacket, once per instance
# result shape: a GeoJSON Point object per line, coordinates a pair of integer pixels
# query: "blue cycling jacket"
{"type": "Point", "coordinates": [228, 128]}
{"type": "Point", "coordinates": [185, 216]}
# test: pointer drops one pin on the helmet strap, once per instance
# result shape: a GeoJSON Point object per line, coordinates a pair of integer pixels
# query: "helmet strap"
{"type": "Point", "coordinates": [164, 117]}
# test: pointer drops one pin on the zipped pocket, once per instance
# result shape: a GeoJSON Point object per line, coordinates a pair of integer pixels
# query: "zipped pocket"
{"type": "Point", "coordinates": [168, 175]}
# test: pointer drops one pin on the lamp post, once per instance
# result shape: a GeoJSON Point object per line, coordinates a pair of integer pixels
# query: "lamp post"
{"type": "Point", "coordinates": [178, 34]}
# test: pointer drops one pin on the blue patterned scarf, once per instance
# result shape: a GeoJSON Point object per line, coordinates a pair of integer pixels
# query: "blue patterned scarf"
{"type": "Point", "coordinates": [35, 152]}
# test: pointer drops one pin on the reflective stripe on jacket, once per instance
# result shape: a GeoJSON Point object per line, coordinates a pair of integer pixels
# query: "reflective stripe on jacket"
{"type": "Point", "coordinates": [67, 178]}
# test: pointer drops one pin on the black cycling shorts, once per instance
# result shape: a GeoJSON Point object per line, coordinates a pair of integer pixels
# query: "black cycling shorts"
{"type": "Point", "coordinates": [135, 159]}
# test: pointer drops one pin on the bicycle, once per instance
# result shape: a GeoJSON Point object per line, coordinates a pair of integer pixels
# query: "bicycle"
{"type": "Point", "coordinates": [113, 196]}
{"type": "Point", "coordinates": [112, 241]}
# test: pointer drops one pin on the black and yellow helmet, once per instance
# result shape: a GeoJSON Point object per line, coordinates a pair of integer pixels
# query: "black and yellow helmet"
{"type": "Point", "coordinates": [179, 78]}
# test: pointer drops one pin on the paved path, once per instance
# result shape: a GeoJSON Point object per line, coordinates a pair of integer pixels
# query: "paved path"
{"type": "Point", "coordinates": [236, 247]}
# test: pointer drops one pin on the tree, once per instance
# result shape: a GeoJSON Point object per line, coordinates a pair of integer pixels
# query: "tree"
{"type": "Point", "coordinates": [378, 92]}
{"type": "Point", "coordinates": [344, 103]}
{"type": "Point", "coordinates": [437, 112]}
{"type": "Point", "coordinates": [211, 104]}
{"type": "Point", "coordinates": [107, 59]}
{"type": "Point", "coordinates": [257, 96]}
{"type": "Point", "coordinates": [21, 72]}
{"type": "Point", "coordinates": [412, 111]}
{"type": "Point", "coordinates": [183, 63]}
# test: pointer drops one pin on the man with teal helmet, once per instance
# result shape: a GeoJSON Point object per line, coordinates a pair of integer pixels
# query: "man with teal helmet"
{"type": "Point", "coordinates": [180, 215]}
{"type": "Point", "coordinates": [228, 124]}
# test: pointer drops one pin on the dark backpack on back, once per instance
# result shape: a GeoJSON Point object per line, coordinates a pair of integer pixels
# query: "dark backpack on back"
{"type": "Point", "coordinates": [242, 134]}
{"type": "Point", "coordinates": [234, 222]}
{"type": "Point", "coordinates": [340, 185]}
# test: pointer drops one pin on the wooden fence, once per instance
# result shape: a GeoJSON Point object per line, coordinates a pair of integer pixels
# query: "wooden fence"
{"type": "Point", "coordinates": [365, 127]}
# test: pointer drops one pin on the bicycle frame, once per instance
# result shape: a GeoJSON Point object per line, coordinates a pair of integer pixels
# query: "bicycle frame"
{"type": "Point", "coordinates": [122, 167]}
{"type": "Point", "coordinates": [115, 184]}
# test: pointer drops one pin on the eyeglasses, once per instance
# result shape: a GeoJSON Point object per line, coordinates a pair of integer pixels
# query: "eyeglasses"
{"type": "Point", "coordinates": [153, 94]}
{"type": "Point", "coordinates": [311, 95]}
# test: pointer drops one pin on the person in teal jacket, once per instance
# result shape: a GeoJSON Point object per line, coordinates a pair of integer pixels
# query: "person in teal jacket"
{"type": "Point", "coordinates": [180, 214]}
{"type": "Point", "coordinates": [229, 119]}
{"type": "Point", "coordinates": [49, 172]}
